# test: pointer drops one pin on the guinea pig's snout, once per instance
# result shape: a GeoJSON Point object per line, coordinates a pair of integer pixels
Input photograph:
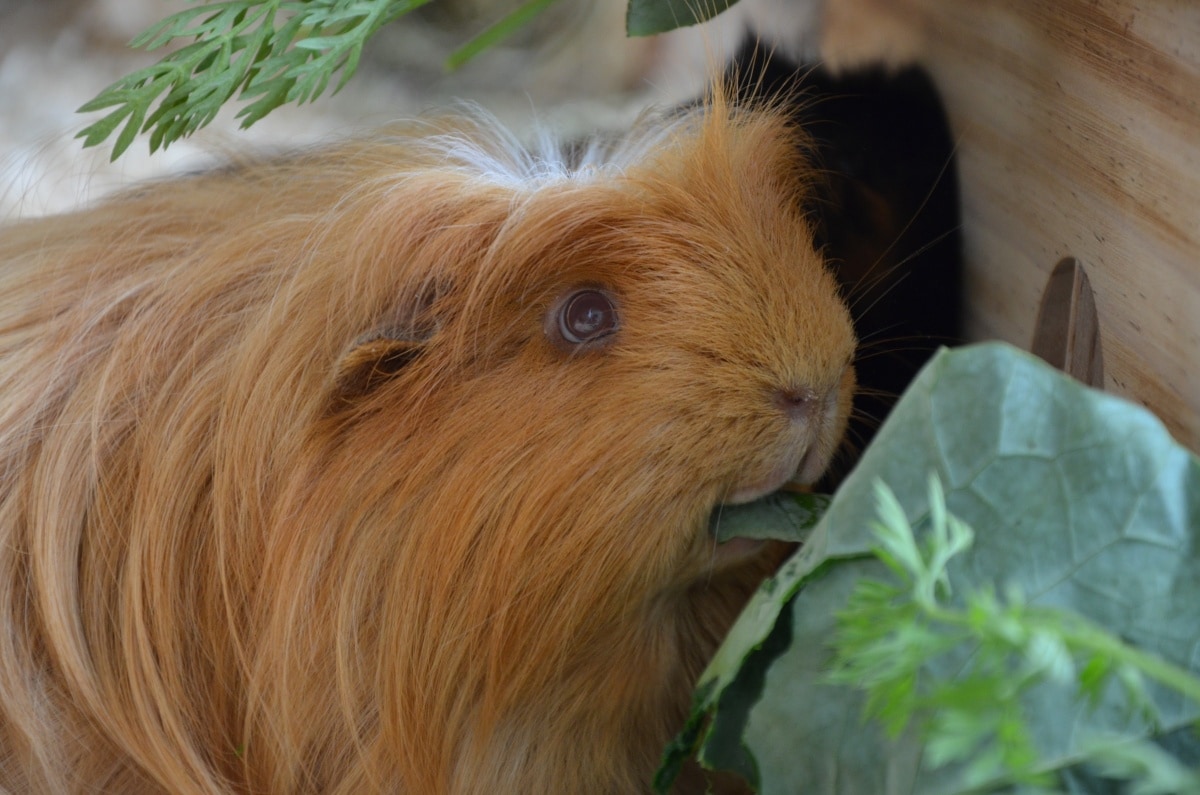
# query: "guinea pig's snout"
{"type": "Point", "coordinates": [799, 404]}
{"type": "Point", "coordinates": [796, 450]}
{"type": "Point", "coordinates": [819, 417]}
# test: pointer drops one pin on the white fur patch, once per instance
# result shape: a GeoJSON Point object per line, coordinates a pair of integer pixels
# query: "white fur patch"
{"type": "Point", "coordinates": [491, 152]}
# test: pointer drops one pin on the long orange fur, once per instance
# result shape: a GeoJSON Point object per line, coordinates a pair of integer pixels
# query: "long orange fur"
{"type": "Point", "coordinates": [299, 495]}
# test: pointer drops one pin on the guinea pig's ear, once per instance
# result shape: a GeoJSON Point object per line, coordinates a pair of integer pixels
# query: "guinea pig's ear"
{"type": "Point", "coordinates": [380, 354]}
{"type": "Point", "coordinates": [373, 360]}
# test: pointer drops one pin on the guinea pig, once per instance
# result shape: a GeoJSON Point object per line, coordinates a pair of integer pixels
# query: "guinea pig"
{"type": "Point", "coordinates": [388, 467]}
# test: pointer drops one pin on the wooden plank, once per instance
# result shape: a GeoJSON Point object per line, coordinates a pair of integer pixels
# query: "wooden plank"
{"type": "Point", "coordinates": [1078, 124]}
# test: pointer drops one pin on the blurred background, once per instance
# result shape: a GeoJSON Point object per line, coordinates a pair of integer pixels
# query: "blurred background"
{"type": "Point", "coordinates": [572, 69]}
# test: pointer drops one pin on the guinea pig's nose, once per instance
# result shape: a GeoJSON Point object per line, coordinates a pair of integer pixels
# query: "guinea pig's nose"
{"type": "Point", "coordinates": [799, 404]}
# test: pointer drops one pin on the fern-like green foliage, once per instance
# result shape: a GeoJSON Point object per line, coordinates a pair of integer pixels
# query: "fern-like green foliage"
{"type": "Point", "coordinates": [272, 52]}
{"type": "Point", "coordinates": [889, 632]}
{"type": "Point", "coordinates": [267, 51]}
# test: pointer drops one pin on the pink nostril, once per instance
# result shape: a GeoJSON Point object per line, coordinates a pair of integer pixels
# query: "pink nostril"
{"type": "Point", "coordinates": [797, 404]}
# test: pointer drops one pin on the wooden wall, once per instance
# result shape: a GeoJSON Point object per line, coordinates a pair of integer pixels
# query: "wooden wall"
{"type": "Point", "coordinates": [1078, 126]}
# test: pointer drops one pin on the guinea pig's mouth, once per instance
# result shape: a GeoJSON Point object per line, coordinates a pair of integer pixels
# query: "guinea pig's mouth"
{"type": "Point", "coordinates": [797, 459]}
{"type": "Point", "coordinates": [801, 469]}
{"type": "Point", "coordinates": [790, 473]}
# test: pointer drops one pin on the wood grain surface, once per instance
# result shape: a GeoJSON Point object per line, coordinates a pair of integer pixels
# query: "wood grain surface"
{"type": "Point", "coordinates": [1078, 128]}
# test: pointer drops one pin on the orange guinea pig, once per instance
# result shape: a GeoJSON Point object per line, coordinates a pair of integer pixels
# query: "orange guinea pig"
{"type": "Point", "coordinates": [388, 467]}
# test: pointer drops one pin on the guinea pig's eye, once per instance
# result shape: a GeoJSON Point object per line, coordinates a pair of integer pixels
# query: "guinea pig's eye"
{"type": "Point", "coordinates": [587, 315]}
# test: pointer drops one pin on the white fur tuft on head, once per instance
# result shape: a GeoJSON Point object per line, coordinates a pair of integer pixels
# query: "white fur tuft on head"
{"type": "Point", "coordinates": [481, 146]}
